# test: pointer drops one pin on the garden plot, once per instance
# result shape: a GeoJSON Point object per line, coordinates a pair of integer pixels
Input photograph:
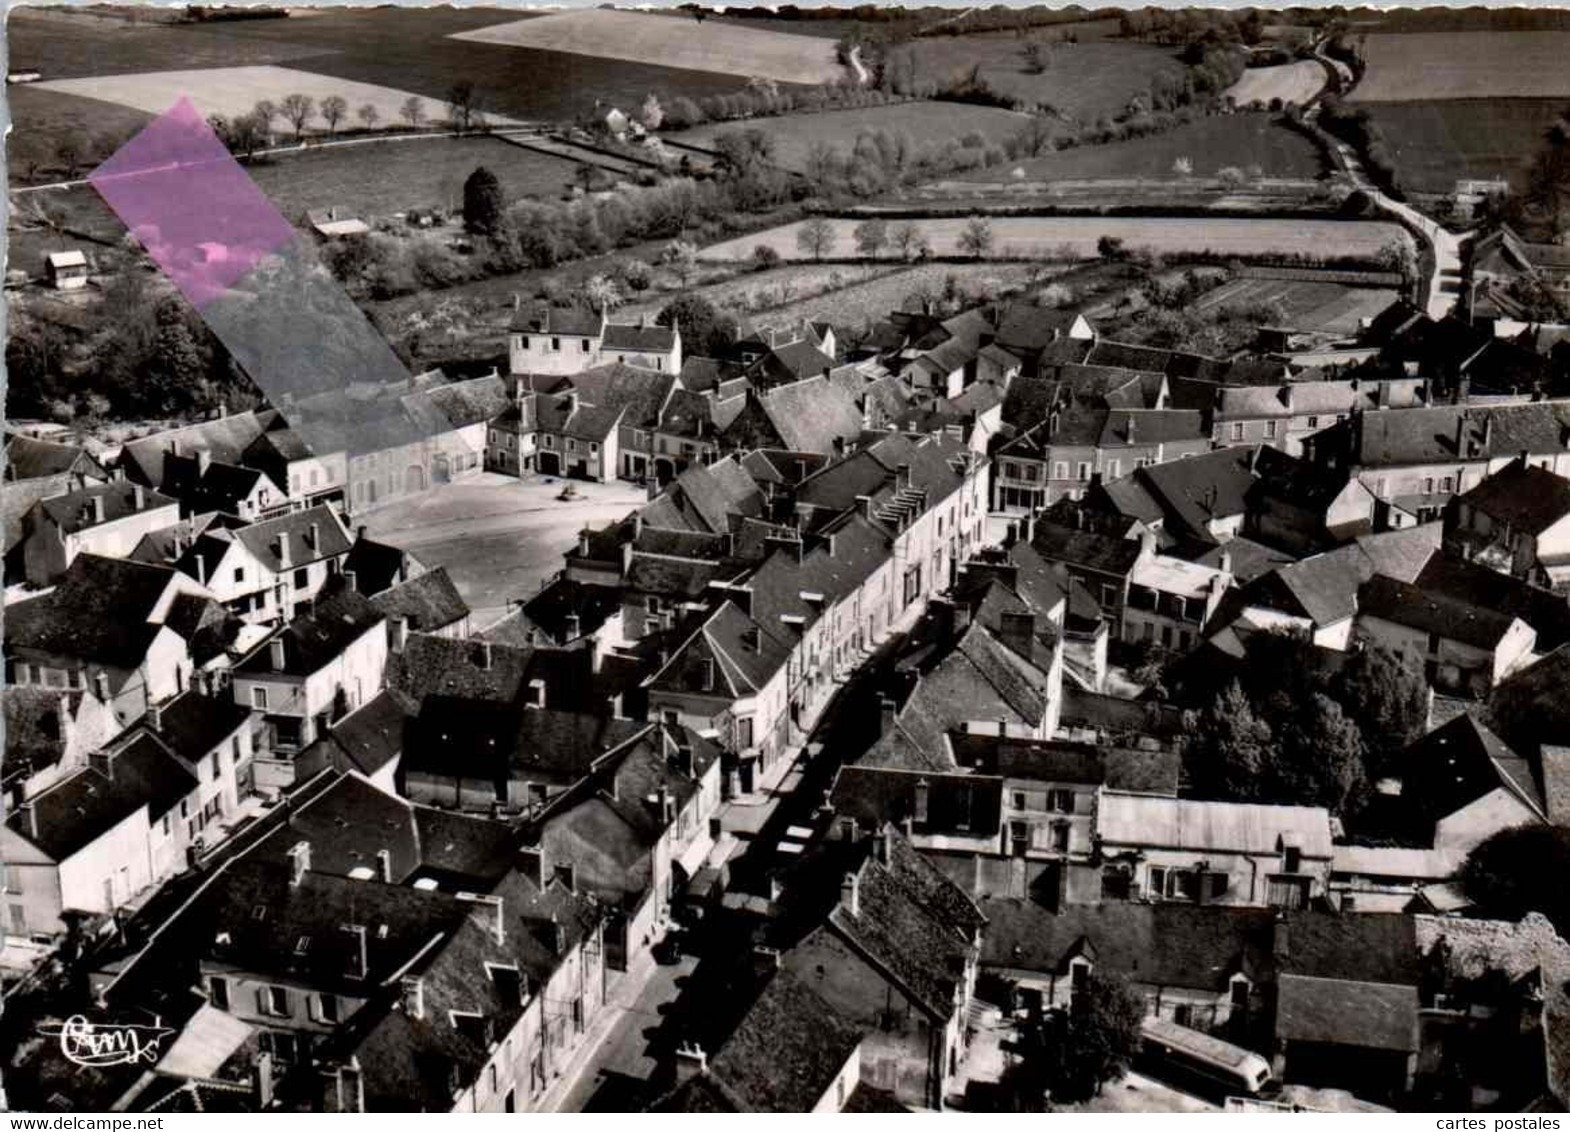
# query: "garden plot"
{"type": "Point", "coordinates": [236, 90]}
{"type": "Point", "coordinates": [643, 38]}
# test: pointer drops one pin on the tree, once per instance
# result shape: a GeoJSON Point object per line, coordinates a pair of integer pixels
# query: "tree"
{"type": "Point", "coordinates": [334, 109]}
{"type": "Point", "coordinates": [907, 239]}
{"type": "Point", "coordinates": [1183, 166]}
{"type": "Point", "coordinates": [1226, 747]}
{"type": "Point", "coordinates": [265, 111]}
{"type": "Point", "coordinates": [682, 258]}
{"type": "Point", "coordinates": [872, 234]}
{"type": "Point", "coordinates": [461, 103]}
{"type": "Point", "coordinates": [815, 237]}
{"type": "Point", "coordinates": [1035, 58]}
{"type": "Point", "coordinates": [1320, 762]}
{"type": "Point", "coordinates": [368, 115]}
{"type": "Point", "coordinates": [1231, 176]}
{"type": "Point", "coordinates": [482, 203]}
{"type": "Point", "coordinates": [246, 135]}
{"type": "Point", "coordinates": [413, 111]}
{"type": "Point", "coordinates": [601, 293]}
{"type": "Point", "coordinates": [69, 154]}
{"type": "Point", "coordinates": [1386, 695]}
{"type": "Point", "coordinates": [705, 330]}
{"type": "Point", "coordinates": [297, 109]}
{"type": "Point", "coordinates": [1102, 1036]}
{"type": "Point", "coordinates": [765, 257]}
{"type": "Point", "coordinates": [1512, 872]}
{"type": "Point", "coordinates": [653, 114]}
{"type": "Point", "coordinates": [976, 237]}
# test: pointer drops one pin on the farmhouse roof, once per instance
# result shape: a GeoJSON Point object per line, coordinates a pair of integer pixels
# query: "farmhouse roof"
{"type": "Point", "coordinates": [73, 258]}
{"type": "Point", "coordinates": [192, 725]}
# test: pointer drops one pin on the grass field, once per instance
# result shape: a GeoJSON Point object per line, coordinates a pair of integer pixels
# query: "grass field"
{"type": "Point", "coordinates": [1436, 143]}
{"type": "Point", "coordinates": [1292, 82]}
{"type": "Point", "coordinates": [1467, 64]}
{"type": "Point", "coordinates": [41, 118]}
{"type": "Point", "coordinates": [235, 90]}
{"type": "Point", "coordinates": [901, 290]}
{"type": "Point", "coordinates": [1044, 236]}
{"type": "Point", "coordinates": [386, 177]}
{"type": "Point", "coordinates": [1211, 143]}
{"type": "Point", "coordinates": [794, 134]}
{"type": "Point", "coordinates": [1084, 80]}
{"type": "Point", "coordinates": [1327, 307]}
{"type": "Point", "coordinates": [637, 37]}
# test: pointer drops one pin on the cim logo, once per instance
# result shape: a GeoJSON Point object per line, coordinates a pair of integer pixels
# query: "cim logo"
{"type": "Point", "coordinates": [103, 1044]}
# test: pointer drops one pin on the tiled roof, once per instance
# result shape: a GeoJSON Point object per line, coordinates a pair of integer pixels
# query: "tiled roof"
{"type": "Point", "coordinates": [224, 439]}
{"type": "Point", "coordinates": [1401, 603]}
{"type": "Point", "coordinates": [192, 725]}
{"type": "Point", "coordinates": [98, 612]}
{"type": "Point", "coordinates": [1197, 491]}
{"type": "Point", "coordinates": [731, 656]}
{"type": "Point", "coordinates": [579, 321]}
{"type": "Point", "coordinates": [317, 639]}
{"type": "Point", "coordinates": [375, 565]}
{"type": "Point", "coordinates": [1529, 499]}
{"type": "Point", "coordinates": [809, 416]}
{"type": "Point", "coordinates": [74, 511]}
{"type": "Point", "coordinates": [28, 458]}
{"type": "Point", "coordinates": [428, 602]}
{"type": "Point", "coordinates": [645, 339]}
{"type": "Point", "coordinates": [1548, 613]}
{"type": "Point", "coordinates": [371, 736]}
{"type": "Point", "coordinates": [1086, 549]}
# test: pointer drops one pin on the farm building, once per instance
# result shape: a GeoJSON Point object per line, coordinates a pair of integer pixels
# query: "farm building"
{"type": "Point", "coordinates": [327, 224]}
{"type": "Point", "coordinates": [67, 270]}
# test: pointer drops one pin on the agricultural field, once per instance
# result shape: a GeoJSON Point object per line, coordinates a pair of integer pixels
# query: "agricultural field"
{"type": "Point", "coordinates": [751, 291]}
{"type": "Point", "coordinates": [1330, 308]}
{"type": "Point", "coordinates": [43, 119]}
{"type": "Point", "coordinates": [1291, 82]}
{"type": "Point", "coordinates": [1053, 236]}
{"type": "Point", "coordinates": [406, 49]}
{"type": "Point", "coordinates": [1211, 143]}
{"type": "Point", "coordinates": [1437, 143]}
{"type": "Point", "coordinates": [795, 134]}
{"type": "Point", "coordinates": [1084, 80]}
{"type": "Point", "coordinates": [706, 46]}
{"type": "Point", "coordinates": [866, 302]}
{"type": "Point", "coordinates": [235, 90]}
{"type": "Point", "coordinates": [1467, 64]}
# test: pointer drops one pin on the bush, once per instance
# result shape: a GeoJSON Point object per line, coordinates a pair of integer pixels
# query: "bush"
{"type": "Point", "coordinates": [764, 257]}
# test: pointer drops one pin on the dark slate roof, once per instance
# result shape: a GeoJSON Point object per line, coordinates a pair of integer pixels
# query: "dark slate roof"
{"type": "Point", "coordinates": [28, 458]}
{"type": "Point", "coordinates": [1336, 1012]}
{"type": "Point", "coordinates": [1123, 769]}
{"type": "Point", "coordinates": [788, 1050]}
{"type": "Point", "coordinates": [320, 637]}
{"type": "Point", "coordinates": [1424, 436]}
{"type": "Point", "coordinates": [1459, 763]}
{"type": "Point", "coordinates": [209, 629]}
{"type": "Point", "coordinates": [490, 742]}
{"type": "Point", "coordinates": [74, 511]}
{"type": "Point", "coordinates": [224, 439]}
{"type": "Point", "coordinates": [810, 415]}
{"type": "Point", "coordinates": [790, 362]}
{"type": "Point", "coordinates": [580, 321]}
{"type": "Point", "coordinates": [1528, 498]}
{"type": "Point", "coordinates": [550, 609]}
{"type": "Point", "coordinates": [1454, 618]}
{"type": "Point", "coordinates": [192, 725]}
{"type": "Point", "coordinates": [731, 656]}
{"type": "Point", "coordinates": [371, 736]}
{"type": "Point", "coordinates": [1086, 549]}
{"type": "Point", "coordinates": [1195, 491]}
{"type": "Point", "coordinates": [266, 538]}
{"type": "Point", "coordinates": [1545, 611]}
{"type": "Point", "coordinates": [469, 402]}
{"type": "Point", "coordinates": [428, 602]}
{"type": "Point", "coordinates": [85, 806]}
{"type": "Point", "coordinates": [220, 486]}
{"type": "Point", "coordinates": [968, 805]}
{"type": "Point", "coordinates": [98, 612]}
{"type": "Point", "coordinates": [633, 336]}
{"type": "Point", "coordinates": [375, 565]}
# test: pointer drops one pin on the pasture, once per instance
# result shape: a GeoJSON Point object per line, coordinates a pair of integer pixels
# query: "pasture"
{"type": "Point", "coordinates": [1330, 308]}
{"type": "Point", "coordinates": [232, 91]}
{"type": "Point", "coordinates": [1436, 143]}
{"type": "Point", "coordinates": [795, 134]}
{"type": "Point", "coordinates": [903, 290]}
{"type": "Point", "coordinates": [1044, 237]}
{"type": "Point", "coordinates": [1466, 64]}
{"type": "Point", "coordinates": [1291, 82]}
{"type": "Point", "coordinates": [637, 37]}
{"type": "Point", "coordinates": [1083, 81]}
{"type": "Point", "coordinates": [1212, 143]}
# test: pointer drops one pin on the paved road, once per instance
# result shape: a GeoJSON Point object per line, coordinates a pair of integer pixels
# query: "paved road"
{"type": "Point", "coordinates": [499, 538]}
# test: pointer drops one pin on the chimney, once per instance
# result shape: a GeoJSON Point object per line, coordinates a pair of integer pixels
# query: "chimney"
{"type": "Point", "coordinates": [101, 686]}
{"type": "Point", "coordinates": [1488, 435]}
{"type": "Point", "coordinates": [359, 960]}
{"type": "Point", "coordinates": [887, 714]}
{"type": "Point", "coordinates": [384, 866]}
{"type": "Point", "coordinates": [299, 862]}
{"type": "Point", "coordinates": [558, 936]}
{"type": "Point", "coordinates": [683, 760]}
{"type": "Point", "coordinates": [98, 508]}
{"type": "Point", "coordinates": [314, 539]}
{"type": "Point", "coordinates": [572, 626]}
{"type": "Point", "coordinates": [201, 570]}
{"type": "Point", "coordinates": [850, 893]}
{"type": "Point", "coordinates": [1460, 434]}
{"type": "Point", "coordinates": [283, 551]}
{"type": "Point", "coordinates": [1131, 428]}
{"type": "Point", "coordinates": [765, 960]}
{"type": "Point", "coordinates": [902, 477]}
{"type": "Point", "coordinates": [864, 503]}
{"type": "Point", "coordinates": [613, 706]}
{"type": "Point", "coordinates": [880, 840]}
{"type": "Point", "coordinates": [413, 993]}
{"type": "Point", "coordinates": [262, 1080]}
{"type": "Point", "coordinates": [708, 674]}
{"type": "Point", "coordinates": [667, 805]}
{"type": "Point", "coordinates": [276, 653]}
{"type": "Point", "coordinates": [1019, 632]}
{"type": "Point", "coordinates": [691, 1062]}
{"type": "Point", "coordinates": [536, 693]}
{"type": "Point", "coordinates": [155, 716]}
{"type": "Point", "coordinates": [30, 818]}
{"type": "Point", "coordinates": [485, 655]}
{"type": "Point", "coordinates": [138, 497]}
{"type": "Point", "coordinates": [204, 460]}
{"type": "Point", "coordinates": [400, 633]}
{"type": "Point", "coordinates": [923, 790]}
{"type": "Point", "coordinates": [351, 580]}
{"type": "Point", "coordinates": [67, 722]}
{"type": "Point", "coordinates": [531, 864]}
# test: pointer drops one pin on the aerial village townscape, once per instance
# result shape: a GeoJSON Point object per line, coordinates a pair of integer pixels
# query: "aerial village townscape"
{"type": "Point", "coordinates": [993, 559]}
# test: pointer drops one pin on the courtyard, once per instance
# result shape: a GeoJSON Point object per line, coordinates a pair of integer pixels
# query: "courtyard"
{"type": "Point", "coordinates": [499, 537]}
